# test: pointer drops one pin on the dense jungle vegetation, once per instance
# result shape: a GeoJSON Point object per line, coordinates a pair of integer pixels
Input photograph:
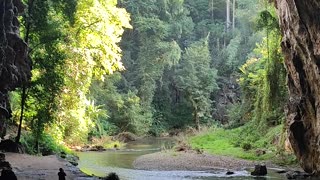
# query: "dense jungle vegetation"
{"type": "Point", "coordinates": [152, 68]}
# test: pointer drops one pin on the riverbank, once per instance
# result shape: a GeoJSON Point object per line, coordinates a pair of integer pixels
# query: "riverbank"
{"type": "Point", "coordinates": [191, 161]}
{"type": "Point", "coordinates": [28, 167]}
{"type": "Point", "coordinates": [160, 165]}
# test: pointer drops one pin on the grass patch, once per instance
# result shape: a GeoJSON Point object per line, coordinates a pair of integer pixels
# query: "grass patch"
{"type": "Point", "coordinates": [241, 142]}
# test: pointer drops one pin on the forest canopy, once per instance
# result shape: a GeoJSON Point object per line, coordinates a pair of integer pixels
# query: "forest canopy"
{"type": "Point", "coordinates": [148, 67]}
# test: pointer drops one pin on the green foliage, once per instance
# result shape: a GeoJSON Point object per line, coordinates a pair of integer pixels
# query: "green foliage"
{"type": "Point", "coordinates": [158, 127]}
{"type": "Point", "coordinates": [124, 109]}
{"type": "Point", "coordinates": [102, 128]}
{"type": "Point", "coordinates": [236, 113]}
{"type": "Point", "coordinates": [239, 142]}
{"type": "Point", "coordinates": [263, 79]}
{"type": "Point", "coordinates": [71, 42]}
{"type": "Point", "coordinates": [197, 80]}
{"type": "Point", "coordinates": [232, 53]}
{"type": "Point", "coordinates": [47, 144]}
{"type": "Point", "coordinates": [44, 32]}
{"type": "Point", "coordinates": [262, 82]}
{"type": "Point", "coordinates": [171, 55]}
{"type": "Point", "coordinates": [28, 142]}
{"type": "Point", "coordinates": [97, 30]}
{"type": "Point", "coordinates": [204, 9]}
{"type": "Point", "coordinates": [94, 38]}
{"type": "Point", "coordinates": [267, 20]}
{"type": "Point", "coordinates": [244, 143]}
{"type": "Point", "coordinates": [170, 59]}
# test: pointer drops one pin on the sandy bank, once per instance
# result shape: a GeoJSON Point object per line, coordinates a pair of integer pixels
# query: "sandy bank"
{"type": "Point", "coordinates": [190, 161]}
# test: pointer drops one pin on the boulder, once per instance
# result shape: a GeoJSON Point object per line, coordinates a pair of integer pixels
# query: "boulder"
{"type": "Point", "coordinates": [112, 176]}
{"type": "Point", "coordinates": [297, 175]}
{"type": "Point", "coordinates": [10, 146]}
{"type": "Point", "coordinates": [5, 165]}
{"type": "Point", "coordinates": [229, 173]}
{"type": "Point", "coordinates": [259, 170]}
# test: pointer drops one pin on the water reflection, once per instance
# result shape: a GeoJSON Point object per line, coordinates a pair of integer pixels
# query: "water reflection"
{"type": "Point", "coordinates": [120, 162]}
{"type": "Point", "coordinates": [123, 158]}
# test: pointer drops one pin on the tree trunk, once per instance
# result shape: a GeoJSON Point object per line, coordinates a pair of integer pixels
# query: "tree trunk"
{"type": "Point", "coordinates": [212, 10]}
{"type": "Point", "coordinates": [233, 14]}
{"type": "Point", "coordinates": [300, 27]}
{"type": "Point", "coordinates": [196, 117]}
{"type": "Point", "coordinates": [228, 22]}
{"type": "Point", "coordinates": [23, 101]}
{"type": "Point", "coordinates": [24, 87]}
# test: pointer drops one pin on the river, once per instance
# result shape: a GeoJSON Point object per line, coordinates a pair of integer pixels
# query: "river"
{"type": "Point", "coordinates": [120, 162]}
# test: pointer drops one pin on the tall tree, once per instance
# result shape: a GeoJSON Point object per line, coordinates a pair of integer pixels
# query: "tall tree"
{"type": "Point", "coordinates": [93, 44]}
{"type": "Point", "coordinates": [300, 44]}
{"type": "Point", "coordinates": [71, 43]}
{"type": "Point", "coordinates": [154, 49]}
{"type": "Point", "coordinates": [196, 79]}
{"type": "Point", "coordinates": [44, 33]}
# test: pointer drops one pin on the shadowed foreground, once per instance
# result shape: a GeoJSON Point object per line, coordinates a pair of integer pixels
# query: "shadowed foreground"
{"type": "Point", "coordinates": [42, 167]}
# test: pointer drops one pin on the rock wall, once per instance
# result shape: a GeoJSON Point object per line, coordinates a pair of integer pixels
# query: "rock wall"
{"type": "Point", "coordinates": [15, 68]}
{"type": "Point", "coordinates": [227, 95]}
{"type": "Point", "coordinates": [300, 26]}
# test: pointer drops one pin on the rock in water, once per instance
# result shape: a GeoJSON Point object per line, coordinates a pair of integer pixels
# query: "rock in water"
{"type": "Point", "coordinates": [297, 175]}
{"type": "Point", "coordinates": [112, 176]}
{"type": "Point", "coordinates": [259, 170]}
{"type": "Point", "coordinates": [229, 173]}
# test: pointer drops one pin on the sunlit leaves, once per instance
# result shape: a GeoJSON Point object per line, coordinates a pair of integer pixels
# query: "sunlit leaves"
{"type": "Point", "coordinates": [88, 34]}
{"type": "Point", "coordinates": [263, 81]}
{"type": "Point", "coordinates": [98, 28]}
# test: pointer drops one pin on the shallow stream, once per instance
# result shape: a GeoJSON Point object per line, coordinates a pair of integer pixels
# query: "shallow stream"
{"type": "Point", "coordinates": [120, 162]}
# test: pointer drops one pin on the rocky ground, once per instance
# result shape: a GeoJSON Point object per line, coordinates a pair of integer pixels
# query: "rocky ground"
{"type": "Point", "coordinates": [187, 161]}
{"type": "Point", "coordinates": [28, 167]}
{"type": "Point", "coordinates": [191, 161]}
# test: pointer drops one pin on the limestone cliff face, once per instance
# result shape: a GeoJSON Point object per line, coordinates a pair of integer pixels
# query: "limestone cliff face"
{"type": "Point", "coordinates": [300, 26]}
{"type": "Point", "coordinates": [228, 94]}
{"type": "Point", "coordinates": [15, 69]}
